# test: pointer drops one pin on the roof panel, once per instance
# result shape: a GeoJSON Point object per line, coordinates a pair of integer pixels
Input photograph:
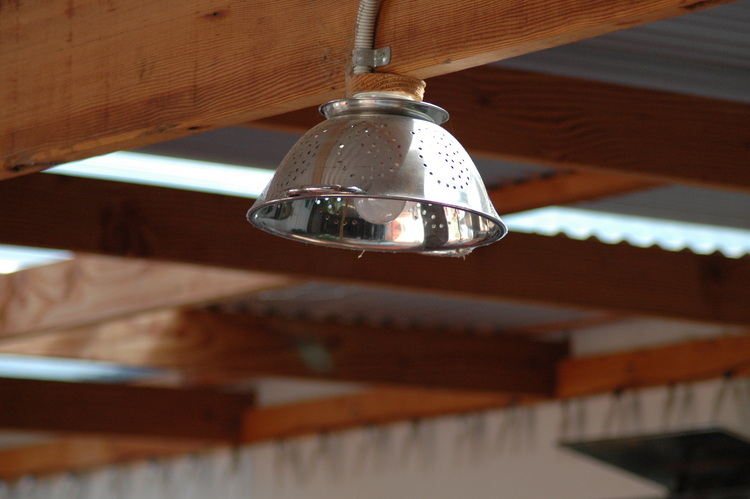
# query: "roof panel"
{"type": "Point", "coordinates": [400, 308]}
{"type": "Point", "coordinates": [682, 203]}
{"type": "Point", "coordinates": [702, 53]}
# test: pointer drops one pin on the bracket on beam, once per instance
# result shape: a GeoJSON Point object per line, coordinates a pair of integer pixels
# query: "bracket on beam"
{"type": "Point", "coordinates": [371, 57]}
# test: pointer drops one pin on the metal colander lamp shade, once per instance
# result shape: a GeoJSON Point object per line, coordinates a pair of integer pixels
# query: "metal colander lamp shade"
{"type": "Point", "coordinates": [379, 174]}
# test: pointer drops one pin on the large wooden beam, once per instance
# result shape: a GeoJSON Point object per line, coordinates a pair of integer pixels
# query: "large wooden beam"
{"type": "Point", "coordinates": [153, 340]}
{"type": "Point", "coordinates": [561, 188]}
{"type": "Point", "coordinates": [378, 355]}
{"type": "Point", "coordinates": [373, 408]}
{"type": "Point", "coordinates": [122, 74]}
{"type": "Point", "coordinates": [209, 346]}
{"type": "Point", "coordinates": [150, 222]}
{"type": "Point", "coordinates": [104, 409]}
{"type": "Point", "coordinates": [93, 288]}
{"type": "Point", "coordinates": [667, 365]}
{"type": "Point", "coordinates": [671, 364]}
{"type": "Point", "coordinates": [562, 122]}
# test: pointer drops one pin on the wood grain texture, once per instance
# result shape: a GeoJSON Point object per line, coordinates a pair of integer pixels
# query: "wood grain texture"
{"type": "Point", "coordinates": [94, 288]}
{"type": "Point", "coordinates": [107, 409]}
{"type": "Point", "coordinates": [671, 364]}
{"type": "Point", "coordinates": [151, 222]}
{"type": "Point", "coordinates": [568, 123]}
{"type": "Point", "coordinates": [137, 340]}
{"type": "Point", "coordinates": [209, 347]}
{"type": "Point", "coordinates": [122, 74]}
{"type": "Point", "coordinates": [451, 36]}
{"type": "Point", "coordinates": [572, 123]}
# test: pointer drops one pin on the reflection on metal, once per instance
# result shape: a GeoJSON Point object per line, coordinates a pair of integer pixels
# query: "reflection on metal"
{"type": "Point", "coordinates": [380, 174]}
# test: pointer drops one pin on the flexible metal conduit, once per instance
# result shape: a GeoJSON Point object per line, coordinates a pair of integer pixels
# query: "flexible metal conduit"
{"type": "Point", "coordinates": [364, 34]}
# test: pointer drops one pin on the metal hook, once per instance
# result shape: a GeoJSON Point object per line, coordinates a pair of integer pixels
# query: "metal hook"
{"type": "Point", "coordinates": [565, 417]}
{"type": "Point", "coordinates": [508, 426]}
{"type": "Point", "coordinates": [412, 439]}
{"type": "Point", "coordinates": [613, 411]}
{"type": "Point", "coordinates": [721, 395]}
{"type": "Point", "coordinates": [669, 405]}
{"type": "Point", "coordinates": [473, 432]}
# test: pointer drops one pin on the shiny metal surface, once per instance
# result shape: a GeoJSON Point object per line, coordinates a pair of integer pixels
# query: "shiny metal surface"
{"type": "Point", "coordinates": [379, 174]}
{"type": "Point", "coordinates": [375, 105]}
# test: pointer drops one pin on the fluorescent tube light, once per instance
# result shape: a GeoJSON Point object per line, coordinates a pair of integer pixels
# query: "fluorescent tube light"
{"type": "Point", "coordinates": [176, 173]}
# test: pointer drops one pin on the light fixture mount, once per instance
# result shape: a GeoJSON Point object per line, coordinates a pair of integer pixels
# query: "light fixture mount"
{"type": "Point", "coordinates": [379, 174]}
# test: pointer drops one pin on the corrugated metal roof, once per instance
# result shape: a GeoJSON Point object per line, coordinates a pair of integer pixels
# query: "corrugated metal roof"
{"type": "Point", "coordinates": [613, 228]}
{"type": "Point", "coordinates": [683, 203]}
{"type": "Point", "coordinates": [702, 53]}
{"type": "Point", "coordinates": [233, 145]}
{"type": "Point", "coordinates": [346, 303]}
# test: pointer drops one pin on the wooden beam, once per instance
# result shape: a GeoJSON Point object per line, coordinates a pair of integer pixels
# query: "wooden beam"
{"type": "Point", "coordinates": [92, 288]}
{"type": "Point", "coordinates": [151, 341]}
{"type": "Point", "coordinates": [150, 222]}
{"type": "Point", "coordinates": [546, 329]}
{"type": "Point", "coordinates": [379, 355]}
{"type": "Point", "coordinates": [672, 364]}
{"type": "Point", "coordinates": [680, 363]}
{"type": "Point", "coordinates": [561, 188]}
{"type": "Point", "coordinates": [643, 135]}
{"type": "Point", "coordinates": [77, 454]}
{"type": "Point", "coordinates": [106, 409]}
{"type": "Point", "coordinates": [209, 346]}
{"type": "Point", "coordinates": [130, 73]}
{"type": "Point", "coordinates": [693, 361]}
{"type": "Point", "coordinates": [374, 408]}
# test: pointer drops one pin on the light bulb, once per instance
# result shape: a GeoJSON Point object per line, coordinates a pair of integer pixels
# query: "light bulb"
{"type": "Point", "coordinates": [379, 211]}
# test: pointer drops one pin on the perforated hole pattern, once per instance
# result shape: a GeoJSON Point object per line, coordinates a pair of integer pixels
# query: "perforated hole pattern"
{"type": "Point", "coordinates": [361, 150]}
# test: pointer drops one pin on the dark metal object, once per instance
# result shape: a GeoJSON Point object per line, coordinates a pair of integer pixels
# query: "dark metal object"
{"type": "Point", "coordinates": [710, 463]}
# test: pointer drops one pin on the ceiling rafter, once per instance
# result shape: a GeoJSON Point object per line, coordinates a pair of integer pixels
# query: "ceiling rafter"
{"type": "Point", "coordinates": [561, 188]}
{"type": "Point", "coordinates": [666, 365]}
{"type": "Point", "coordinates": [670, 364]}
{"type": "Point", "coordinates": [209, 346]}
{"type": "Point", "coordinates": [163, 224]}
{"type": "Point", "coordinates": [96, 408]}
{"type": "Point", "coordinates": [374, 408]}
{"type": "Point", "coordinates": [154, 90]}
{"type": "Point", "coordinates": [73, 454]}
{"type": "Point", "coordinates": [94, 288]}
